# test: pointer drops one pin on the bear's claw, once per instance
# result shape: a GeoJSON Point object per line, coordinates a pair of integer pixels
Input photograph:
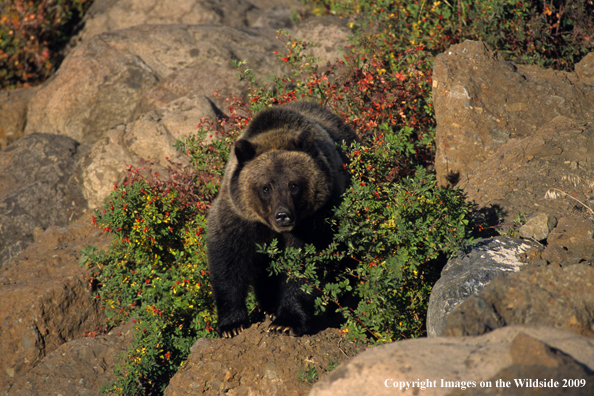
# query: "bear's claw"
{"type": "Point", "coordinates": [281, 329]}
{"type": "Point", "coordinates": [232, 332]}
{"type": "Point", "coordinates": [270, 316]}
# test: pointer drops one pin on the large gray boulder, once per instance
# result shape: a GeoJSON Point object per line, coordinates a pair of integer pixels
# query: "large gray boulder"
{"type": "Point", "coordinates": [469, 272]}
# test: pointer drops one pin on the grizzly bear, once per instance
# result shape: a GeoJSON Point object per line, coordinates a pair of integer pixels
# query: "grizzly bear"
{"type": "Point", "coordinates": [283, 177]}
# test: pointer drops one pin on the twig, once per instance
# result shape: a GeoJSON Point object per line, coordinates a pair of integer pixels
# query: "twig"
{"type": "Point", "coordinates": [553, 195]}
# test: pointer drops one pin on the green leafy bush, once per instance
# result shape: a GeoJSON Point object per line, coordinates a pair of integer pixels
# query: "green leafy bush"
{"type": "Point", "coordinates": [397, 230]}
{"type": "Point", "coordinates": [155, 273]}
{"type": "Point", "coordinates": [32, 34]}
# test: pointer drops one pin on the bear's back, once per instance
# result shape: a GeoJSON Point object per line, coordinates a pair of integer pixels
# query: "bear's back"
{"type": "Point", "coordinates": [276, 127]}
{"type": "Point", "coordinates": [330, 122]}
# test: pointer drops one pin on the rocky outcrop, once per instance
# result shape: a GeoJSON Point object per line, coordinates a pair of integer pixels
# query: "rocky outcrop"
{"type": "Point", "coordinates": [45, 298]}
{"type": "Point", "coordinates": [521, 175]}
{"type": "Point", "coordinates": [103, 79]}
{"type": "Point", "coordinates": [13, 114]}
{"type": "Point", "coordinates": [78, 367]}
{"type": "Point", "coordinates": [482, 103]}
{"type": "Point", "coordinates": [445, 365]}
{"type": "Point", "coordinates": [510, 134]}
{"type": "Point", "coordinates": [150, 138]}
{"type": "Point", "coordinates": [547, 296]}
{"type": "Point", "coordinates": [111, 15]}
{"type": "Point", "coordinates": [37, 189]}
{"type": "Point", "coordinates": [519, 141]}
{"type": "Point", "coordinates": [469, 271]}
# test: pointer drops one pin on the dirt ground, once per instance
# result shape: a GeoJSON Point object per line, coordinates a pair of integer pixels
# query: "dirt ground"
{"type": "Point", "coordinates": [260, 363]}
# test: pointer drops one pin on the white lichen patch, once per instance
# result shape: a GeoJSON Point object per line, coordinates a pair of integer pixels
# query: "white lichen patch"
{"type": "Point", "coordinates": [508, 255]}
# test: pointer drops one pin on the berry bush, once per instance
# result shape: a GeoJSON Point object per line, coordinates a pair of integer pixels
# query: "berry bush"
{"type": "Point", "coordinates": [32, 35]}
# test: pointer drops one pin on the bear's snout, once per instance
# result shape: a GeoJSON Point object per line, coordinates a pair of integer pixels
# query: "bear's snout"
{"type": "Point", "coordinates": [284, 219]}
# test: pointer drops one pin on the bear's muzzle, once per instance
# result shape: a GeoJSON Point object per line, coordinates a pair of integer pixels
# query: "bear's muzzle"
{"type": "Point", "coordinates": [284, 220]}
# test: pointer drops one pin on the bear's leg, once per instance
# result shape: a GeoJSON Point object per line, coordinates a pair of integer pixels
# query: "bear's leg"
{"type": "Point", "coordinates": [230, 293]}
{"type": "Point", "coordinates": [295, 311]}
{"type": "Point", "coordinates": [266, 288]}
{"type": "Point", "coordinates": [230, 276]}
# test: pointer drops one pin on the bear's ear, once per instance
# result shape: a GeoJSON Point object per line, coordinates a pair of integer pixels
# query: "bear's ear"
{"type": "Point", "coordinates": [244, 150]}
{"type": "Point", "coordinates": [305, 140]}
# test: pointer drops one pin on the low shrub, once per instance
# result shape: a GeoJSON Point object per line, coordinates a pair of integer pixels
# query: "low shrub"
{"type": "Point", "coordinates": [32, 35]}
{"type": "Point", "coordinates": [155, 273]}
{"type": "Point", "coordinates": [556, 33]}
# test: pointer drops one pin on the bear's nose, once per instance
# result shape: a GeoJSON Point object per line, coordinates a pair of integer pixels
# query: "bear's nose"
{"type": "Point", "coordinates": [283, 218]}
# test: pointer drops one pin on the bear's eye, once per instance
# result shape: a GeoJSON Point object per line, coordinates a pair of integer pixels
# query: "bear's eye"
{"type": "Point", "coordinates": [266, 190]}
{"type": "Point", "coordinates": [294, 187]}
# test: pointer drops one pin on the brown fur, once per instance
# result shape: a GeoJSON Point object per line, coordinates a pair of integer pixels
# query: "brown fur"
{"type": "Point", "coordinates": [283, 177]}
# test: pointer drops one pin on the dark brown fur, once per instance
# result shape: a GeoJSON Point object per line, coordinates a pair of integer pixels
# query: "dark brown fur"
{"type": "Point", "coordinates": [282, 178]}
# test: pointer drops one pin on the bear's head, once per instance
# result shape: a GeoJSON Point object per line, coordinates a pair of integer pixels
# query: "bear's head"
{"type": "Point", "coordinates": [280, 187]}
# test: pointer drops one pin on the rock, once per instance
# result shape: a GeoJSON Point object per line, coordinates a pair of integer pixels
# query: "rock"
{"type": "Point", "coordinates": [465, 361]}
{"type": "Point", "coordinates": [78, 367]}
{"type": "Point", "coordinates": [111, 15]}
{"type": "Point", "coordinates": [101, 82]}
{"type": "Point", "coordinates": [468, 272]}
{"type": "Point", "coordinates": [13, 114]}
{"type": "Point", "coordinates": [570, 242]}
{"type": "Point", "coordinates": [45, 298]}
{"type": "Point", "coordinates": [205, 81]}
{"type": "Point", "coordinates": [280, 15]}
{"type": "Point", "coordinates": [151, 138]}
{"type": "Point", "coordinates": [546, 296]}
{"type": "Point", "coordinates": [538, 226]}
{"type": "Point", "coordinates": [36, 189]}
{"type": "Point", "coordinates": [537, 369]}
{"type": "Point", "coordinates": [585, 68]}
{"type": "Point", "coordinates": [259, 363]}
{"type": "Point", "coordinates": [525, 174]}
{"type": "Point", "coordinates": [329, 35]}
{"type": "Point", "coordinates": [482, 102]}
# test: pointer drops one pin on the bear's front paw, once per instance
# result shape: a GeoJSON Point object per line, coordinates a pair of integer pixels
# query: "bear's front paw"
{"type": "Point", "coordinates": [289, 327]}
{"type": "Point", "coordinates": [230, 331]}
